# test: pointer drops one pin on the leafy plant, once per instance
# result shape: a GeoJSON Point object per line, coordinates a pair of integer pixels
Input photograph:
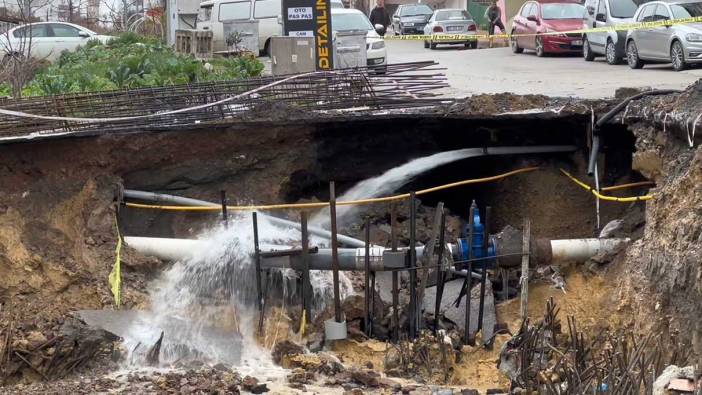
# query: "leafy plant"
{"type": "Point", "coordinates": [131, 61]}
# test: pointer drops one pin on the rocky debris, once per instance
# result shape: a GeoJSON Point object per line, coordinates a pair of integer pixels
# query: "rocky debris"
{"type": "Point", "coordinates": [53, 350]}
{"type": "Point", "coordinates": [366, 377]}
{"type": "Point", "coordinates": [671, 373]}
{"type": "Point", "coordinates": [457, 314]}
{"type": "Point", "coordinates": [202, 381]}
{"type": "Point", "coordinates": [252, 385]}
{"type": "Point", "coordinates": [285, 349]}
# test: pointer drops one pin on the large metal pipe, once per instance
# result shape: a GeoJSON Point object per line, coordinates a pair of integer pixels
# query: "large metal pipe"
{"type": "Point", "coordinates": [558, 251]}
{"type": "Point", "coordinates": [349, 258]}
{"type": "Point", "coordinates": [178, 200]}
{"type": "Point", "coordinates": [580, 250]}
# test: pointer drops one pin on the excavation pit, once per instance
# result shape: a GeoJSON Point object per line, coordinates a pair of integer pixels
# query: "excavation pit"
{"type": "Point", "coordinates": [62, 212]}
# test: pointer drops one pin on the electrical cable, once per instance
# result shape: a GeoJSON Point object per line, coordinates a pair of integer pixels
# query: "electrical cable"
{"type": "Point", "coordinates": [339, 203]}
{"type": "Point", "coordinates": [605, 197]}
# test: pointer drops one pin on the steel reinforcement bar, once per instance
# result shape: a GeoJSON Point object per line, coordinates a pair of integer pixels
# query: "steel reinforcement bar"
{"type": "Point", "coordinates": [317, 94]}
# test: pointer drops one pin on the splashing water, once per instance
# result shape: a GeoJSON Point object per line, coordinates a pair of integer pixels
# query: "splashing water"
{"type": "Point", "coordinates": [206, 305]}
{"type": "Point", "coordinates": [391, 180]}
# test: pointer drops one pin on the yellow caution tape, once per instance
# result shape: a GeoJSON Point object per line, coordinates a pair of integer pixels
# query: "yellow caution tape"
{"type": "Point", "coordinates": [605, 197]}
{"type": "Point", "coordinates": [620, 27]}
{"type": "Point", "coordinates": [339, 203]}
{"type": "Point", "coordinates": [115, 277]}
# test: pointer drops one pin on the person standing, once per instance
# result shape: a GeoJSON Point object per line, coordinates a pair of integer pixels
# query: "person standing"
{"type": "Point", "coordinates": [494, 17]}
{"type": "Point", "coordinates": [379, 15]}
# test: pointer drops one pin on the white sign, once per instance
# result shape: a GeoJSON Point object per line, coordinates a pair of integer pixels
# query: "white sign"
{"type": "Point", "coordinates": [302, 33]}
{"type": "Point", "coordinates": [299, 13]}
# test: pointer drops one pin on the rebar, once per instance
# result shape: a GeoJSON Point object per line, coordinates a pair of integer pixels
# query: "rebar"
{"type": "Point", "coordinates": [619, 363]}
{"type": "Point", "coordinates": [318, 95]}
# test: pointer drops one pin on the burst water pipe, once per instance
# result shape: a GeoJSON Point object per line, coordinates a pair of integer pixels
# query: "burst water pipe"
{"type": "Point", "coordinates": [350, 241]}
{"type": "Point", "coordinates": [382, 259]}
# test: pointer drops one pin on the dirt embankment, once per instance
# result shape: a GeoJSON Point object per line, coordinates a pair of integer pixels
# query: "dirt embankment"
{"type": "Point", "coordinates": [669, 257]}
{"type": "Point", "coordinates": [57, 211]}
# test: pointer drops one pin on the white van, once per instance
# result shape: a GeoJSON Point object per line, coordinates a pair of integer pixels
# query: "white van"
{"type": "Point", "coordinates": [266, 12]}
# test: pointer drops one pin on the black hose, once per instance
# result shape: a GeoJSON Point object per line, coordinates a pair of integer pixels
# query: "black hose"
{"type": "Point", "coordinates": [619, 107]}
{"type": "Point", "coordinates": [610, 114]}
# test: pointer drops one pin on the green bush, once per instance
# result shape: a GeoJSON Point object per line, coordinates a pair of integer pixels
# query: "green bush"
{"type": "Point", "coordinates": [131, 61]}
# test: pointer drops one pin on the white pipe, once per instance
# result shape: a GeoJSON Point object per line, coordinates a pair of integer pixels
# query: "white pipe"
{"type": "Point", "coordinates": [165, 249]}
{"type": "Point", "coordinates": [168, 249]}
{"type": "Point", "coordinates": [573, 250]}
{"type": "Point", "coordinates": [580, 250]}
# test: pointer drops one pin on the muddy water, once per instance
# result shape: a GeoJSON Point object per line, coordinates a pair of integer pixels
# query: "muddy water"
{"type": "Point", "coordinates": [206, 305]}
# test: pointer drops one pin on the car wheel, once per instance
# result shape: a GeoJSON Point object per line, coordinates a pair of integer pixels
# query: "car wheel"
{"type": "Point", "coordinates": [632, 56]}
{"type": "Point", "coordinates": [514, 44]}
{"type": "Point", "coordinates": [432, 45]}
{"type": "Point", "coordinates": [588, 55]}
{"type": "Point", "coordinates": [539, 47]}
{"type": "Point", "coordinates": [611, 53]}
{"type": "Point", "coordinates": [426, 44]}
{"type": "Point", "coordinates": [474, 44]}
{"type": "Point", "coordinates": [677, 56]}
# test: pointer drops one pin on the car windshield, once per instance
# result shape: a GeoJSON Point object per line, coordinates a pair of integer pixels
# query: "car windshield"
{"type": "Point", "coordinates": [352, 21]}
{"type": "Point", "coordinates": [421, 9]}
{"type": "Point", "coordinates": [686, 10]}
{"type": "Point", "coordinates": [624, 8]}
{"type": "Point", "coordinates": [562, 11]}
{"type": "Point", "coordinates": [452, 15]}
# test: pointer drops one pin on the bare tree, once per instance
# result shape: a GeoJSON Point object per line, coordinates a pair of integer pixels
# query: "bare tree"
{"type": "Point", "coordinates": [18, 61]}
{"type": "Point", "coordinates": [120, 11]}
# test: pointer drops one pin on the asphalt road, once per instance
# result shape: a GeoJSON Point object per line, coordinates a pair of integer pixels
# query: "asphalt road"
{"type": "Point", "coordinates": [499, 70]}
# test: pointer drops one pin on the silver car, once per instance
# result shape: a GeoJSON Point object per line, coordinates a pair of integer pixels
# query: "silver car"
{"type": "Point", "coordinates": [607, 14]}
{"type": "Point", "coordinates": [679, 44]}
{"type": "Point", "coordinates": [451, 21]}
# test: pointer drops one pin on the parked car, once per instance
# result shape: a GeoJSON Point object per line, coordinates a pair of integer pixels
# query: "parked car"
{"type": "Point", "coordinates": [46, 40]}
{"type": "Point", "coordinates": [546, 16]}
{"type": "Point", "coordinates": [607, 13]}
{"type": "Point", "coordinates": [451, 21]}
{"type": "Point", "coordinates": [267, 12]}
{"type": "Point", "coordinates": [411, 18]}
{"type": "Point", "coordinates": [337, 4]}
{"type": "Point", "coordinates": [347, 19]}
{"type": "Point", "coordinates": [679, 44]}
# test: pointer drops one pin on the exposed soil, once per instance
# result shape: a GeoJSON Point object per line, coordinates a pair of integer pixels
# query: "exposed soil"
{"type": "Point", "coordinates": [58, 214]}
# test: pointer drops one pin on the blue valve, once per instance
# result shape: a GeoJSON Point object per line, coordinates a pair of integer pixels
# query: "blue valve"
{"type": "Point", "coordinates": [478, 240]}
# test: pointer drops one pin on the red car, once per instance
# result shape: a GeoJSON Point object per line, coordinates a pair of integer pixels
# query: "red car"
{"type": "Point", "coordinates": [546, 16]}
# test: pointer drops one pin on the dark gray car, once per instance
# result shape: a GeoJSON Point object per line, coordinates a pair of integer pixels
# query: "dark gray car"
{"type": "Point", "coordinates": [411, 18]}
{"type": "Point", "coordinates": [679, 44]}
